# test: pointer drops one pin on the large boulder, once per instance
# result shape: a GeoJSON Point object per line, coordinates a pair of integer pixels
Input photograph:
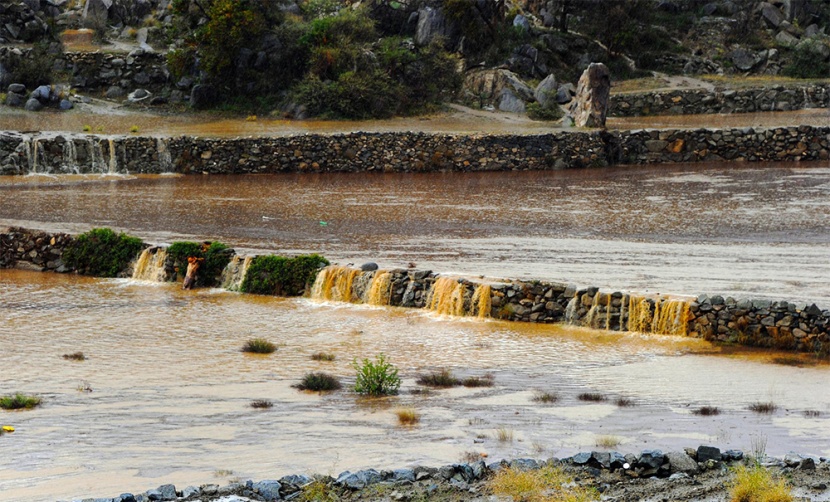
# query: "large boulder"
{"type": "Point", "coordinates": [545, 92]}
{"type": "Point", "coordinates": [433, 23]}
{"type": "Point", "coordinates": [500, 88]}
{"type": "Point", "coordinates": [33, 105]}
{"type": "Point", "coordinates": [590, 107]}
{"type": "Point", "coordinates": [96, 12]}
{"type": "Point", "coordinates": [202, 96]}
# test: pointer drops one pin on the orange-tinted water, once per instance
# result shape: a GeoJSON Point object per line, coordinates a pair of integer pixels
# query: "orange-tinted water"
{"type": "Point", "coordinates": [171, 389]}
{"type": "Point", "coordinates": [744, 230]}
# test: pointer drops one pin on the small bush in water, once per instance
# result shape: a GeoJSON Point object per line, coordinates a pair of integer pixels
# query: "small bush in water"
{"type": "Point", "coordinates": [278, 275]}
{"type": "Point", "coordinates": [378, 378]}
{"type": "Point", "coordinates": [318, 382]}
{"type": "Point", "coordinates": [259, 346]}
{"type": "Point", "coordinates": [216, 256]}
{"type": "Point", "coordinates": [19, 402]}
{"type": "Point", "coordinates": [102, 253]}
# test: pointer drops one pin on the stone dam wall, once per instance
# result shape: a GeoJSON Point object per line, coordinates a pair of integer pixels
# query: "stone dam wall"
{"type": "Point", "coordinates": [775, 98]}
{"type": "Point", "coordinates": [763, 323]}
{"type": "Point", "coordinates": [404, 151]}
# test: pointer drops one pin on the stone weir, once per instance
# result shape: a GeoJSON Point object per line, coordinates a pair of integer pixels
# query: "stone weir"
{"type": "Point", "coordinates": [777, 324]}
{"type": "Point", "coordinates": [403, 151]}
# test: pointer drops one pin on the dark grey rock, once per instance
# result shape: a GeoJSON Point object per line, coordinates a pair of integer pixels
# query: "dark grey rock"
{"type": "Point", "coordinates": [602, 458]}
{"type": "Point", "coordinates": [65, 104]}
{"type": "Point", "coordinates": [546, 92]}
{"type": "Point", "coordinates": [521, 22]}
{"type": "Point", "coordinates": [15, 100]}
{"type": "Point", "coordinates": [680, 462]}
{"type": "Point", "coordinates": [705, 453]}
{"type": "Point", "coordinates": [732, 455]}
{"type": "Point", "coordinates": [190, 491]}
{"type": "Point", "coordinates": [432, 23]}
{"type": "Point", "coordinates": [400, 475]}
{"type": "Point", "coordinates": [114, 92]}
{"type": "Point", "coordinates": [267, 489]}
{"type": "Point", "coordinates": [127, 497]}
{"type": "Point", "coordinates": [202, 96]}
{"type": "Point", "coordinates": [359, 480]}
{"type": "Point", "coordinates": [524, 464]}
{"type": "Point", "coordinates": [651, 459]}
{"type": "Point", "coordinates": [42, 94]}
{"type": "Point", "coordinates": [446, 472]}
{"type": "Point", "coordinates": [17, 88]}
{"type": "Point", "coordinates": [369, 266]}
{"type": "Point", "coordinates": [479, 469]}
{"type": "Point", "coordinates": [33, 105]}
{"type": "Point", "coordinates": [581, 458]}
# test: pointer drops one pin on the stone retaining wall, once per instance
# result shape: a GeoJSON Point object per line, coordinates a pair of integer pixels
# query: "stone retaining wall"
{"type": "Point", "coordinates": [703, 101]}
{"type": "Point", "coordinates": [405, 151]}
{"type": "Point", "coordinates": [762, 323]}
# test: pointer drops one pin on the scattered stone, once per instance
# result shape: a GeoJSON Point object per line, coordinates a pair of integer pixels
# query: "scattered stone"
{"type": "Point", "coordinates": [33, 105]}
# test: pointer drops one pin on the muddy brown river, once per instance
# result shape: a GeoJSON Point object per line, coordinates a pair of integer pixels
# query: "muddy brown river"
{"type": "Point", "coordinates": [170, 389]}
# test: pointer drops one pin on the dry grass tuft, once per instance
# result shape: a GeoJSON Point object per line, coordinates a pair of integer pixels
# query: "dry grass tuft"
{"type": "Point", "coordinates": [765, 408]}
{"type": "Point", "coordinates": [548, 484]}
{"type": "Point", "coordinates": [608, 441]}
{"type": "Point", "coordinates": [756, 484]}
{"type": "Point", "coordinates": [259, 346]}
{"type": "Point", "coordinates": [318, 382]}
{"type": "Point", "coordinates": [591, 397]}
{"type": "Point", "coordinates": [706, 411]}
{"type": "Point", "coordinates": [75, 356]}
{"type": "Point", "coordinates": [408, 416]}
{"type": "Point", "coordinates": [504, 435]}
{"type": "Point", "coordinates": [261, 404]}
{"type": "Point", "coordinates": [811, 413]}
{"type": "Point", "coordinates": [483, 381]}
{"type": "Point", "coordinates": [322, 356]}
{"type": "Point", "coordinates": [624, 402]}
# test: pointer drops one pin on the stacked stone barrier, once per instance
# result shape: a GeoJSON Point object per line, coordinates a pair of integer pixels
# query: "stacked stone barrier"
{"type": "Point", "coordinates": [405, 151]}
{"type": "Point", "coordinates": [762, 323]}
{"type": "Point", "coordinates": [704, 101]}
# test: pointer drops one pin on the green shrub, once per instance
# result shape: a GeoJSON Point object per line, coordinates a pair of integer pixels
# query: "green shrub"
{"type": "Point", "coordinates": [807, 62]}
{"type": "Point", "coordinates": [33, 69]}
{"type": "Point", "coordinates": [19, 402]}
{"type": "Point", "coordinates": [535, 111]}
{"type": "Point", "coordinates": [102, 253]}
{"type": "Point", "coordinates": [216, 256]}
{"type": "Point", "coordinates": [377, 378]}
{"type": "Point", "coordinates": [259, 346]}
{"type": "Point", "coordinates": [278, 275]}
{"type": "Point", "coordinates": [319, 382]}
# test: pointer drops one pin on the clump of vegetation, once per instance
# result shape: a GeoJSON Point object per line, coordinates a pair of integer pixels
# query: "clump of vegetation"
{"type": "Point", "coordinates": [278, 275]}
{"type": "Point", "coordinates": [591, 397]}
{"type": "Point", "coordinates": [706, 411]}
{"type": "Point", "coordinates": [259, 346]}
{"type": "Point", "coordinates": [36, 68]}
{"type": "Point", "coordinates": [608, 441]}
{"type": "Point", "coordinates": [19, 401]}
{"type": "Point", "coordinates": [536, 111]}
{"type": "Point", "coordinates": [441, 379]}
{"type": "Point", "coordinates": [251, 118]}
{"type": "Point", "coordinates": [87, 128]}
{"type": "Point", "coordinates": [75, 356]}
{"type": "Point", "coordinates": [102, 253]}
{"type": "Point", "coordinates": [470, 457]}
{"type": "Point", "coordinates": [319, 490]}
{"type": "Point", "coordinates": [487, 380]}
{"type": "Point", "coordinates": [548, 484]}
{"type": "Point", "coordinates": [261, 404]}
{"type": "Point", "coordinates": [322, 356]}
{"type": "Point", "coordinates": [811, 413]}
{"type": "Point", "coordinates": [756, 484]}
{"type": "Point", "coordinates": [319, 382]}
{"type": "Point", "coordinates": [134, 129]}
{"type": "Point", "coordinates": [216, 257]}
{"type": "Point", "coordinates": [376, 378]}
{"type": "Point", "coordinates": [763, 408]}
{"type": "Point", "coordinates": [504, 435]}
{"type": "Point", "coordinates": [545, 397]}
{"type": "Point", "coordinates": [408, 416]}
{"type": "Point", "coordinates": [624, 402]}
{"type": "Point", "coordinates": [807, 61]}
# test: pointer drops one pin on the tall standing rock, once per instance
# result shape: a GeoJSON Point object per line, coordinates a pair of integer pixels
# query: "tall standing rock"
{"type": "Point", "coordinates": [590, 106]}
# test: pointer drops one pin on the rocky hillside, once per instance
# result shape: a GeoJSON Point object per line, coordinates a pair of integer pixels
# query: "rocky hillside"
{"type": "Point", "coordinates": [391, 57]}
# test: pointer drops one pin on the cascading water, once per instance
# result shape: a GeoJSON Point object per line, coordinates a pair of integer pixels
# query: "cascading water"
{"type": "Point", "coordinates": [380, 289]}
{"type": "Point", "coordinates": [334, 283]}
{"type": "Point", "coordinates": [70, 157]}
{"type": "Point", "coordinates": [234, 272]}
{"type": "Point", "coordinates": [571, 310]}
{"type": "Point", "coordinates": [447, 297]}
{"type": "Point", "coordinates": [150, 265]}
{"type": "Point", "coordinates": [96, 155]}
{"type": "Point", "coordinates": [663, 317]}
{"type": "Point", "coordinates": [165, 158]}
{"type": "Point", "coordinates": [113, 162]}
{"type": "Point", "coordinates": [482, 302]}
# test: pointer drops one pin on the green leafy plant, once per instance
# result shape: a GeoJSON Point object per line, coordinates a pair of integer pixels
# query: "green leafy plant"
{"type": "Point", "coordinates": [278, 275]}
{"type": "Point", "coordinates": [376, 378]}
{"type": "Point", "coordinates": [102, 253]}
{"type": "Point", "coordinates": [319, 382]}
{"type": "Point", "coordinates": [19, 402]}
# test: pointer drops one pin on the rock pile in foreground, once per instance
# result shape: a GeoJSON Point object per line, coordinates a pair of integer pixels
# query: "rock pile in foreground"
{"type": "Point", "coordinates": [687, 475]}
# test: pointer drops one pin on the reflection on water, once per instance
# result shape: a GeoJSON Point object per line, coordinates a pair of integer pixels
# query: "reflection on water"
{"type": "Point", "coordinates": [668, 229]}
{"type": "Point", "coordinates": [171, 389]}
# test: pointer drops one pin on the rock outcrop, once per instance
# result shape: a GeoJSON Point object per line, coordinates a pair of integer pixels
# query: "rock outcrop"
{"type": "Point", "coordinates": [590, 106]}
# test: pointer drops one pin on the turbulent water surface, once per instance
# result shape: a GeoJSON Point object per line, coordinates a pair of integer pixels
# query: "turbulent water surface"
{"type": "Point", "coordinates": [164, 394]}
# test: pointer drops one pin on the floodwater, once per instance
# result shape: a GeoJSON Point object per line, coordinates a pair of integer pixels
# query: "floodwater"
{"type": "Point", "coordinates": [746, 230]}
{"type": "Point", "coordinates": [164, 393]}
{"type": "Point", "coordinates": [459, 120]}
{"type": "Point", "coordinates": [170, 389]}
